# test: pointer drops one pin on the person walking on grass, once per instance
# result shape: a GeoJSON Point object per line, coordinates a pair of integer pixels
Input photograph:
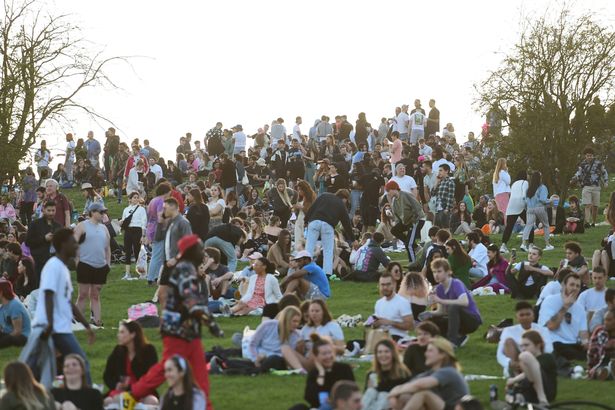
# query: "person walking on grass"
{"type": "Point", "coordinates": [537, 200]}
{"type": "Point", "coordinates": [590, 175]}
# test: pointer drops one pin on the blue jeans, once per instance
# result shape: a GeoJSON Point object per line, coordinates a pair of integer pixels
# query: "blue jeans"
{"type": "Point", "coordinates": [355, 199]}
{"type": "Point", "coordinates": [226, 248]}
{"type": "Point", "coordinates": [156, 261]}
{"type": "Point", "coordinates": [66, 343]}
{"type": "Point", "coordinates": [320, 229]}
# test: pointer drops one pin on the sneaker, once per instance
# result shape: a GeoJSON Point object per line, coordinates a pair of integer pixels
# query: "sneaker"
{"type": "Point", "coordinates": [462, 342]}
{"type": "Point", "coordinates": [225, 309]}
{"type": "Point", "coordinates": [503, 248]}
{"type": "Point", "coordinates": [549, 248]}
{"type": "Point", "coordinates": [126, 276]}
{"type": "Point", "coordinates": [523, 247]}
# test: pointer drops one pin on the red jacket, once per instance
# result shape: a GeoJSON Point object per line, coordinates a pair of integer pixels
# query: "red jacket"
{"type": "Point", "coordinates": [131, 163]}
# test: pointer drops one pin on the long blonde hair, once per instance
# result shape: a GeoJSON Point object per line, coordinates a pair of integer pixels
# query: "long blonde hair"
{"type": "Point", "coordinates": [284, 195]}
{"type": "Point", "coordinates": [284, 318]}
{"type": "Point", "coordinates": [20, 381]}
{"type": "Point", "coordinates": [498, 167]}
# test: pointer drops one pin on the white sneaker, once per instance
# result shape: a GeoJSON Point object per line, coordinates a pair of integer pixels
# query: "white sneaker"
{"type": "Point", "coordinates": [503, 248]}
{"type": "Point", "coordinates": [549, 248]}
{"type": "Point", "coordinates": [126, 276]}
{"type": "Point", "coordinates": [523, 247]}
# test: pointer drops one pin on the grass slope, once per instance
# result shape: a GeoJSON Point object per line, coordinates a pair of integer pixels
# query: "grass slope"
{"type": "Point", "coordinates": [275, 392]}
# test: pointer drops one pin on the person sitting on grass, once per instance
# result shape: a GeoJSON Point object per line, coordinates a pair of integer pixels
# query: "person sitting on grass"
{"type": "Point", "coordinates": [183, 392]}
{"type": "Point", "coordinates": [478, 253]}
{"type": "Point", "coordinates": [457, 315]}
{"type": "Point", "coordinates": [414, 356]}
{"type": "Point", "coordinates": [274, 342]}
{"type": "Point", "coordinates": [439, 388]}
{"type": "Point", "coordinates": [575, 218]}
{"type": "Point", "coordinates": [14, 318]}
{"type": "Point", "coordinates": [496, 275]}
{"type": "Point", "coordinates": [308, 281]}
{"type": "Point", "coordinates": [575, 261]}
{"type": "Point", "coordinates": [460, 261]}
{"type": "Point", "coordinates": [415, 289]}
{"type": "Point", "coordinates": [592, 299]}
{"type": "Point", "coordinates": [345, 395]}
{"type": "Point", "coordinates": [525, 279]}
{"type": "Point", "coordinates": [510, 339]}
{"type": "Point", "coordinates": [76, 393]}
{"type": "Point", "coordinates": [387, 372]}
{"type": "Point", "coordinates": [130, 360]}
{"type": "Point", "coordinates": [263, 288]}
{"type": "Point", "coordinates": [598, 317]}
{"type": "Point", "coordinates": [326, 372]}
{"type": "Point", "coordinates": [438, 245]}
{"type": "Point", "coordinates": [219, 276]}
{"type": "Point", "coordinates": [566, 320]}
{"type": "Point", "coordinates": [321, 322]}
{"type": "Point", "coordinates": [23, 391]}
{"type": "Point", "coordinates": [537, 381]}
{"type": "Point", "coordinates": [369, 260]}
{"type": "Point", "coordinates": [601, 350]}
{"type": "Point", "coordinates": [392, 312]}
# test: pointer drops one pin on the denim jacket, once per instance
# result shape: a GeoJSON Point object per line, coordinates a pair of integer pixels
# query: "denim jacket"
{"type": "Point", "coordinates": [539, 199]}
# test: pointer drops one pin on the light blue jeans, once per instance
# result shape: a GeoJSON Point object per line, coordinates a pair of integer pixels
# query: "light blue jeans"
{"type": "Point", "coordinates": [355, 200]}
{"type": "Point", "coordinates": [66, 343]}
{"type": "Point", "coordinates": [156, 261]}
{"type": "Point", "coordinates": [320, 229]}
{"type": "Point", "coordinates": [226, 248]}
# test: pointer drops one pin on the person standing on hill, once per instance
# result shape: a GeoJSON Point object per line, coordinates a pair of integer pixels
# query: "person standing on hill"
{"type": "Point", "coordinates": [590, 175]}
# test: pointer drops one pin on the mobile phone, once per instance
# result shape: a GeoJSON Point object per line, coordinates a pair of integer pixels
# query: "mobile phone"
{"type": "Point", "coordinates": [513, 253]}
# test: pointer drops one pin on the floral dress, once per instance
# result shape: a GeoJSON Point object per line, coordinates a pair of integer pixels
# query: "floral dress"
{"type": "Point", "coordinates": [258, 297]}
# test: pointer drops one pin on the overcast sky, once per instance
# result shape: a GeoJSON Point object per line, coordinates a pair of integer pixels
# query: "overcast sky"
{"type": "Point", "coordinates": [249, 62]}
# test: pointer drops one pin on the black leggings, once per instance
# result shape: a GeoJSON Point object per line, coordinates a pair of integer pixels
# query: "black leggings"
{"type": "Point", "coordinates": [132, 243]}
{"type": "Point", "coordinates": [408, 234]}
{"type": "Point", "coordinates": [510, 224]}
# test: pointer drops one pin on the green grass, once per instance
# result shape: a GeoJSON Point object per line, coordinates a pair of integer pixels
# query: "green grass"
{"type": "Point", "coordinates": [274, 392]}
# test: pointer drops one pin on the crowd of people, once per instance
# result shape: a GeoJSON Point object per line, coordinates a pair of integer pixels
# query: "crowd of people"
{"type": "Point", "coordinates": [302, 208]}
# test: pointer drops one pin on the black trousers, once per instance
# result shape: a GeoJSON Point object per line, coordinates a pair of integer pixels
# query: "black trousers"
{"type": "Point", "coordinates": [408, 235]}
{"type": "Point", "coordinates": [25, 212]}
{"type": "Point", "coordinates": [510, 223]}
{"type": "Point", "coordinates": [132, 243]}
{"type": "Point", "coordinates": [456, 323]}
{"type": "Point", "coordinates": [517, 286]}
{"type": "Point", "coordinates": [569, 351]}
{"type": "Point", "coordinates": [6, 340]}
{"type": "Point", "coordinates": [284, 215]}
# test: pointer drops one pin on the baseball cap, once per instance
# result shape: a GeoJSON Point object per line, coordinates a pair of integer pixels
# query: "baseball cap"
{"type": "Point", "coordinates": [97, 207]}
{"type": "Point", "coordinates": [255, 255]}
{"type": "Point", "coordinates": [302, 254]}
{"type": "Point", "coordinates": [186, 243]}
{"type": "Point", "coordinates": [86, 185]}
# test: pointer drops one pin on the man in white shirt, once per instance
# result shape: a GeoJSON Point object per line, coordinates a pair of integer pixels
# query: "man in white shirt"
{"type": "Point", "coordinates": [54, 308]}
{"type": "Point", "coordinates": [424, 149]}
{"type": "Point", "coordinates": [566, 320]}
{"type": "Point", "coordinates": [392, 312]}
{"type": "Point", "coordinates": [239, 139]}
{"type": "Point", "coordinates": [155, 168]}
{"type": "Point", "coordinates": [405, 182]}
{"type": "Point", "coordinates": [69, 161]}
{"type": "Point", "coordinates": [439, 159]}
{"type": "Point", "coordinates": [417, 126]}
{"type": "Point", "coordinates": [402, 121]}
{"type": "Point", "coordinates": [297, 129]}
{"type": "Point", "coordinates": [278, 132]}
{"type": "Point", "coordinates": [478, 253]}
{"type": "Point", "coordinates": [525, 279]}
{"type": "Point", "coordinates": [508, 347]}
{"type": "Point", "coordinates": [429, 181]}
{"type": "Point", "coordinates": [593, 299]}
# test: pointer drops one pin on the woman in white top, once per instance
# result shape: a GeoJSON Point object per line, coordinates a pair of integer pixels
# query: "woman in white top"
{"type": "Point", "coordinates": [135, 234]}
{"type": "Point", "coordinates": [263, 288]}
{"type": "Point", "coordinates": [321, 322]}
{"type": "Point", "coordinates": [216, 206]}
{"type": "Point", "coordinates": [501, 185]}
{"type": "Point", "coordinates": [516, 208]}
{"type": "Point", "coordinates": [134, 183]}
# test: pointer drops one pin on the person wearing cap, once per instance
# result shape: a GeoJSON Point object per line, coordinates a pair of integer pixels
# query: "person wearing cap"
{"type": "Point", "coordinates": [91, 196]}
{"type": "Point", "coordinates": [184, 311]}
{"type": "Point", "coordinates": [263, 288]}
{"type": "Point", "coordinates": [308, 281]}
{"type": "Point", "coordinates": [94, 259]}
{"type": "Point", "coordinates": [409, 217]}
{"type": "Point", "coordinates": [14, 318]}
{"type": "Point", "coordinates": [321, 219]}
{"type": "Point", "coordinates": [439, 388]}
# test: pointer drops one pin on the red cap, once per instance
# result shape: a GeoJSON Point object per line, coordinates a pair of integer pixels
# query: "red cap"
{"type": "Point", "coordinates": [186, 243]}
{"type": "Point", "coordinates": [391, 185]}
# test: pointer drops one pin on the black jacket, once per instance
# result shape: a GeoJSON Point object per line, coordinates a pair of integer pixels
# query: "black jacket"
{"type": "Point", "coordinates": [39, 247]}
{"type": "Point", "coordinates": [198, 216]}
{"type": "Point", "coordinates": [227, 232]}
{"type": "Point", "coordinates": [116, 364]}
{"type": "Point", "coordinates": [330, 209]}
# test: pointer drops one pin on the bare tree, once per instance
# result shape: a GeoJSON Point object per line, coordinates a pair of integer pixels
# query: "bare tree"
{"type": "Point", "coordinates": [45, 66]}
{"type": "Point", "coordinates": [546, 85]}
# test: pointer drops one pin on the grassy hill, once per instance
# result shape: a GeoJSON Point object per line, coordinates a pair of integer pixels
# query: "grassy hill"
{"type": "Point", "coordinates": [276, 392]}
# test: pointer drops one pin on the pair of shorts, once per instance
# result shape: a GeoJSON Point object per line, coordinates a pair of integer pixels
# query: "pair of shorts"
{"type": "Point", "coordinates": [89, 275]}
{"type": "Point", "coordinates": [165, 275]}
{"type": "Point", "coordinates": [590, 195]}
{"type": "Point", "coordinates": [314, 293]}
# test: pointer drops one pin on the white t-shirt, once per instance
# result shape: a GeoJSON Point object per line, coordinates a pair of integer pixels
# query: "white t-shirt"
{"type": "Point", "coordinates": [70, 150]}
{"type": "Point", "coordinates": [567, 333]}
{"type": "Point", "coordinates": [530, 279]}
{"type": "Point", "coordinates": [436, 164]}
{"type": "Point", "coordinates": [518, 192]}
{"type": "Point", "coordinates": [551, 288]}
{"type": "Point", "coordinates": [213, 205]}
{"type": "Point", "coordinates": [395, 309]}
{"type": "Point", "coordinates": [240, 141]}
{"type": "Point", "coordinates": [332, 329]}
{"type": "Point", "coordinates": [426, 151]}
{"type": "Point", "coordinates": [55, 277]}
{"type": "Point", "coordinates": [592, 300]}
{"type": "Point", "coordinates": [515, 332]}
{"type": "Point", "coordinates": [402, 122]}
{"type": "Point", "coordinates": [157, 170]}
{"type": "Point", "coordinates": [417, 120]}
{"type": "Point", "coordinates": [406, 183]}
{"type": "Point", "coordinates": [479, 254]}
{"type": "Point", "coordinates": [297, 132]}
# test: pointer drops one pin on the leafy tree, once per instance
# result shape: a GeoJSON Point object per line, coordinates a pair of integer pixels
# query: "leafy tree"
{"type": "Point", "coordinates": [546, 84]}
{"type": "Point", "coordinates": [45, 65]}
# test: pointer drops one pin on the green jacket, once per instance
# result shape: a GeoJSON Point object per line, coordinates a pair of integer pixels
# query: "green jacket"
{"type": "Point", "coordinates": [406, 209]}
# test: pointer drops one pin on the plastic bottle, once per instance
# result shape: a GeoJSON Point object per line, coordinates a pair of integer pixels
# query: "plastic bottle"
{"type": "Point", "coordinates": [493, 392]}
